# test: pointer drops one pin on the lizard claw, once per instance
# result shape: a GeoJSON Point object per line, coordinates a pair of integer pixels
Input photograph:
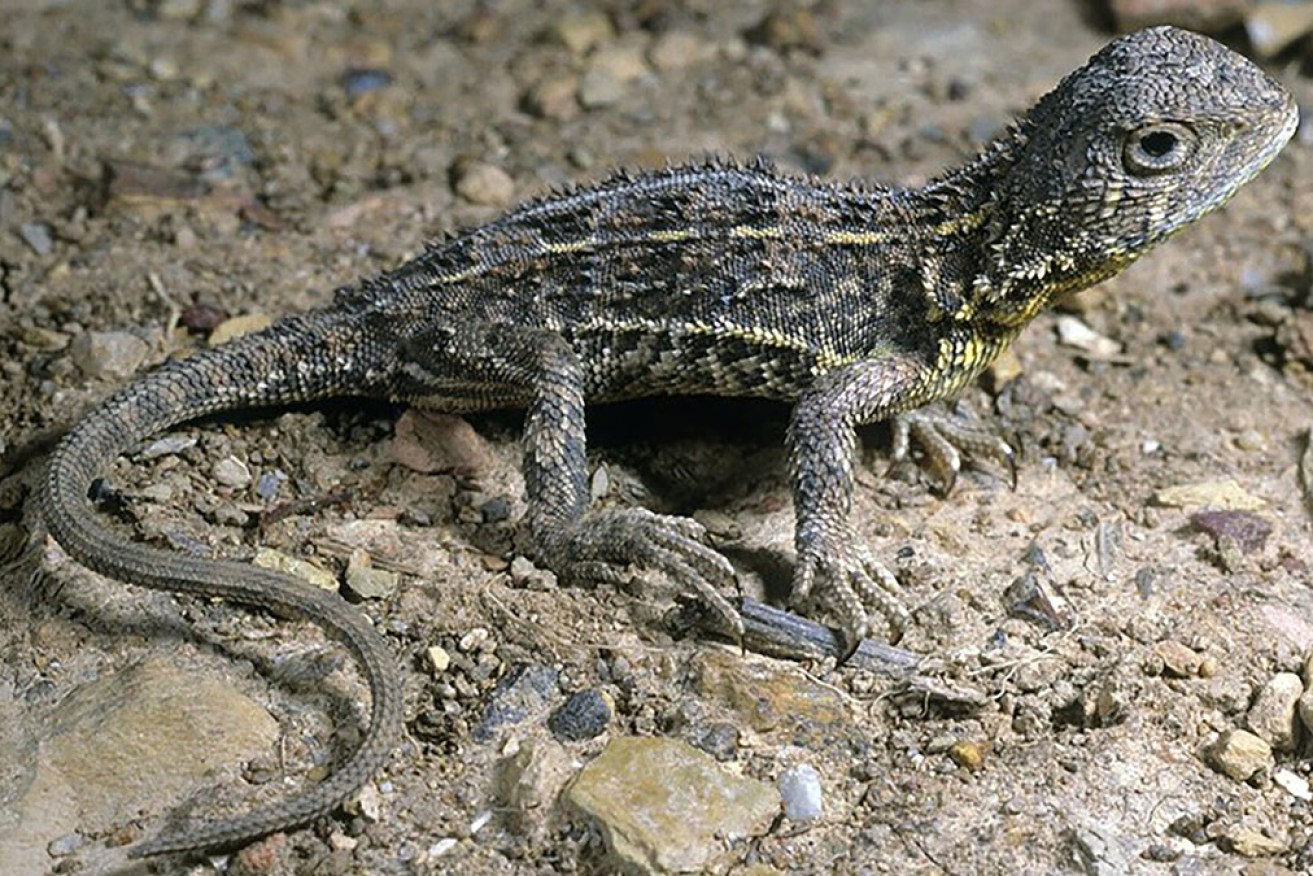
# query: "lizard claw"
{"type": "Point", "coordinates": [945, 438]}
{"type": "Point", "coordinates": [841, 575]}
{"type": "Point", "coordinates": [601, 546]}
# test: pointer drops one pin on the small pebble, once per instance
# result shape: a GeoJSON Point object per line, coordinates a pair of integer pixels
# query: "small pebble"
{"type": "Point", "coordinates": [1248, 530]}
{"type": "Point", "coordinates": [231, 472]}
{"type": "Point", "coordinates": [364, 80]}
{"type": "Point", "coordinates": [481, 183]}
{"type": "Point", "coordinates": [1273, 715]}
{"type": "Point", "coordinates": [581, 31]}
{"type": "Point", "coordinates": [178, 10]}
{"type": "Point", "coordinates": [367, 582]}
{"type": "Point", "coordinates": [1294, 784]}
{"type": "Point", "coordinates": [800, 786]}
{"type": "Point", "coordinates": [677, 49]}
{"type": "Point", "coordinates": [1240, 755]}
{"type": "Point", "coordinates": [522, 692]}
{"type": "Point", "coordinates": [1072, 332]}
{"type": "Point", "coordinates": [525, 574]}
{"type": "Point", "coordinates": [37, 236]}
{"type": "Point", "coordinates": [202, 317]}
{"type": "Point", "coordinates": [109, 355]}
{"type": "Point", "coordinates": [554, 98]}
{"type": "Point", "coordinates": [65, 845]}
{"type": "Point", "coordinates": [1178, 660]}
{"type": "Point", "coordinates": [496, 510]}
{"type": "Point", "coordinates": [439, 659]}
{"type": "Point", "coordinates": [601, 88]}
{"type": "Point", "coordinates": [584, 715]}
{"type": "Point", "coordinates": [1251, 843]}
{"type": "Point", "coordinates": [1224, 495]}
{"type": "Point", "coordinates": [720, 739]}
{"type": "Point", "coordinates": [443, 846]}
{"type": "Point", "coordinates": [968, 754]}
{"type": "Point", "coordinates": [269, 483]}
{"type": "Point", "coordinates": [367, 803]}
{"type": "Point", "coordinates": [474, 639]}
{"type": "Point", "coordinates": [169, 445]}
{"type": "Point", "coordinates": [1251, 440]}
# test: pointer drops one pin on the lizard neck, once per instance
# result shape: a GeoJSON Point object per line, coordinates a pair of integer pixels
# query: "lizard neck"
{"type": "Point", "coordinates": [1011, 254]}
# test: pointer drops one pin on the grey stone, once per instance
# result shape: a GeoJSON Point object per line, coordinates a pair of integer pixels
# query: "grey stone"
{"type": "Point", "coordinates": [1273, 716]}
{"type": "Point", "coordinates": [108, 355]}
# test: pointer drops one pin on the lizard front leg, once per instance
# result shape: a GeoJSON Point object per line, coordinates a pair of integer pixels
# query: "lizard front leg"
{"type": "Point", "coordinates": [834, 569]}
{"type": "Point", "coordinates": [490, 365]}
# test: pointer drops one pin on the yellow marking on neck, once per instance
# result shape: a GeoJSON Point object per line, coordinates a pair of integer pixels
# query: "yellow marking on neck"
{"type": "Point", "coordinates": [963, 224]}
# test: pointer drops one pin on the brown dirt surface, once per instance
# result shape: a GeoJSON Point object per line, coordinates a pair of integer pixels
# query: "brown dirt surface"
{"type": "Point", "coordinates": [165, 165]}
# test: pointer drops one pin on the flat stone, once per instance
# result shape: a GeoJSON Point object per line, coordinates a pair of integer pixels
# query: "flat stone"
{"type": "Point", "coordinates": [1252, 843]}
{"type": "Point", "coordinates": [665, 807]}
{"type": "Point", "coordinates": [126, 744]}
{"type": "Point", "coordinates": [1226, 495]}
{"type": "Point", "coordinates": [306, 571]}
{"type": "Point", "coordinates": [768, 698]}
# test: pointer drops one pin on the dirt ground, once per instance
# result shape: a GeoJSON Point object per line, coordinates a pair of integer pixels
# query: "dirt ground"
{"type": "Point", "coordinates": [166, 165]}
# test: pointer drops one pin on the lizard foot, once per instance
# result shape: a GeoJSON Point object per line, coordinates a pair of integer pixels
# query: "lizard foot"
{"type": "Point", "coordinates": [945, 438]}
{"type": "Point", "coordinates": [599, 548]}
{"type": "Point", "coordinates": [839, 574]}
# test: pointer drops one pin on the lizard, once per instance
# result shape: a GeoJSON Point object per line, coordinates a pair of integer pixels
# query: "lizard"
{"type": "Point", "coordinates": [854, 302]}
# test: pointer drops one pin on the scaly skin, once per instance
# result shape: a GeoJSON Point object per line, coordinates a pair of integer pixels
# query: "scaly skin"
{"type": "Point", "coordinates": [856, 303]}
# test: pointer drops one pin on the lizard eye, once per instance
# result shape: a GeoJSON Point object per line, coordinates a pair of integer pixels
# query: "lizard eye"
{"type": "Point", "coordinates": [1158, 148]}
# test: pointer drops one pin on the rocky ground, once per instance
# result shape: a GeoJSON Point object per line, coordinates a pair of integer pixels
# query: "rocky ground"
{"type": "Point", "coordinates": [1117, 648]}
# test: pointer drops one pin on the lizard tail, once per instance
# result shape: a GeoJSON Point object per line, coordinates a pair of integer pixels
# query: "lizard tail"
{"type": "Point", "coordinates": [303, 358]}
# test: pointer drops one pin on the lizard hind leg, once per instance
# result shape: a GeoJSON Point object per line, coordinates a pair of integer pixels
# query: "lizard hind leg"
{"type": "Point", "coordinates": [499, 364]}
{"type": "Point", "coordinates": [945, 439]}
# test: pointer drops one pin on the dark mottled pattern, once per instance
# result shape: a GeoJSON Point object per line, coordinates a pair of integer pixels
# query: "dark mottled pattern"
{"type": "Point", "coordinates": [854, 302]}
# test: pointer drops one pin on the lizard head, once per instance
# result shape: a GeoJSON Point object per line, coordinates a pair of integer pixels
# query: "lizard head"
{"type": "Point", "coordinates": [1156, 130]}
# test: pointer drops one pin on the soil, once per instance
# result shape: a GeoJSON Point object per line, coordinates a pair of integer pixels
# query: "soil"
{"type": "Point", "coordinates": [168, 165]}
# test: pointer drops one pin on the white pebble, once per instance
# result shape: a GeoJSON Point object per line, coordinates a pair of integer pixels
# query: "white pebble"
{"type": "Point", "coordinates": [800, 786]}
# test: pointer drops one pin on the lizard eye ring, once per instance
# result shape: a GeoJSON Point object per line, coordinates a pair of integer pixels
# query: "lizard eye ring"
{"type": "Point", "coordinates": [1157, 148]}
